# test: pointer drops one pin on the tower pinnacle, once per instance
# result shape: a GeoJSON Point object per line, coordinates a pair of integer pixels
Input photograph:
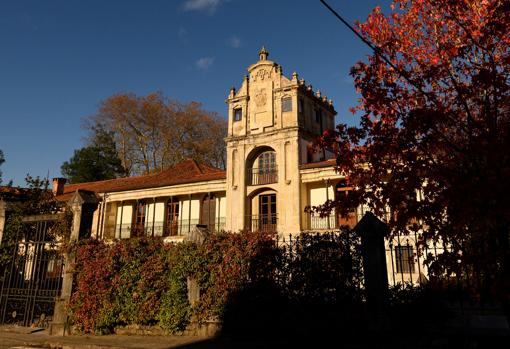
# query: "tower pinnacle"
{"type": "Point", "coordinates": [263, 54]}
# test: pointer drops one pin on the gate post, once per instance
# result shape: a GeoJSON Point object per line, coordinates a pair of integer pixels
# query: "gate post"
{"type": "Point", "coordinates": [372, 232]}
{"type": "Point", "coordinates": [82, 204]}
{"type": "Point", "coordinates": [3, 209]}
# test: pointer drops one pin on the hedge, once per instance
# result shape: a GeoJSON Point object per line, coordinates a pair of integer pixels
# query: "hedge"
{"type": "Point", "coordinates": [144, 281]}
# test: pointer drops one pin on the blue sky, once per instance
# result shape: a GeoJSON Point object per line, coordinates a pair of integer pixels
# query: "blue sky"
{"type": "Point", "coordinates": [60, 58]}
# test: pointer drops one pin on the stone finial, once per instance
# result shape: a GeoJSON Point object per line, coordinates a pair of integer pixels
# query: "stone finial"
{"type": "Point", "coordinates": [302, 82]}
{"type": "Point", "coordinates": [318, 93]}
{"type": "Point", "coordinates": [324, 99]}
{"type": "Point", "coordinates": [263, 54]}
{"type": "Point", "coordinates": [309, 88]}
{"type": "Point", "coordinates": [232, 92]}
{"type": "Point", "coordinates": [294, 76]}
{"type": "Point", "coordinates": [330, 102]}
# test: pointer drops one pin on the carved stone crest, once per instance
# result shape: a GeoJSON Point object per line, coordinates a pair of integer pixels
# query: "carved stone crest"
{"type": "Point", "coordinates": [260, 97]}
{"type": "Point", "coordinates": [262, 74]}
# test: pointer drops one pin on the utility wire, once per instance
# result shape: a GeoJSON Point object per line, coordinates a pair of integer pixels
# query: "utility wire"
{"type": "Point", "coordinates": [375, 48]}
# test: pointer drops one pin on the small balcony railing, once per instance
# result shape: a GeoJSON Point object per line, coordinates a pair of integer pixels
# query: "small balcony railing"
{"type": "Point", "coordinates": [258, 176]}
{"type": "Point", "coordinates": [323, 223]}
{"type": "Point", "coordinates": [128, 230]}
{"type": "Point", "coordinates": [159, 228]}
{"type": "Point", "coordinates": [264, 222]}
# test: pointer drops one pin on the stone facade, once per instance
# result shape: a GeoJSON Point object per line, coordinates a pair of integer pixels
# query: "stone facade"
{"type": "Point", "coordinates": [272, 174]}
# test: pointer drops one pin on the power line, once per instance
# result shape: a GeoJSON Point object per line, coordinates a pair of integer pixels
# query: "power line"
{"type": "Point", "coordinates": [375, 48]}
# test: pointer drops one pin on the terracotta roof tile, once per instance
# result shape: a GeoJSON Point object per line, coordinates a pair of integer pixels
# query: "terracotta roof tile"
{"type": "Point", "coordinates": [188, 171]}
{"type": "Point", "coordinates": [13, 192]}
{"type": "Point", "coordinates": [325, 163]}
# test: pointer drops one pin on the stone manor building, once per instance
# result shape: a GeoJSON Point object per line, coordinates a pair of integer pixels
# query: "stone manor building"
{"type": "Point", "coordinates": [270, 178]}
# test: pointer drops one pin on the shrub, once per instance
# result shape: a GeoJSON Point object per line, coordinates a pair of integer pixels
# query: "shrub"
{"type": "Point", "coordinates": [143, 281]}
{"type": "Point", "coordinates": [117, 284]}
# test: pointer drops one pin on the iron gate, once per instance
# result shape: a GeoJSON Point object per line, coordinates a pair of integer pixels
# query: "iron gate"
{"type": "Point", "coordinates": [32, 281]}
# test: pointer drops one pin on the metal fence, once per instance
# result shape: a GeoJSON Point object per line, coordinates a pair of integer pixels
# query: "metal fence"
{"type": "Point", "coordinates": [33, 279]}
{"type": "Point", "coordinates": [408, 259]}
{"type": "Point", "coordinates": [324, 265]}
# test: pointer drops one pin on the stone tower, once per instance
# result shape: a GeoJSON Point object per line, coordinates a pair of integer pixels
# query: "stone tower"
{"type": "Point", "coordinates": [272, 121]}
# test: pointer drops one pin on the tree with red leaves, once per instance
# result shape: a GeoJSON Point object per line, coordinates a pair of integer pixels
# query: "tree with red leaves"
{"type": "Point", "coordinates": [433, 143]}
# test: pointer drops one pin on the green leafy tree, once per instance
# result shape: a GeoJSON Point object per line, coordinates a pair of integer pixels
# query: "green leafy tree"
{"type": "Point", "coordinates": [97, 161]}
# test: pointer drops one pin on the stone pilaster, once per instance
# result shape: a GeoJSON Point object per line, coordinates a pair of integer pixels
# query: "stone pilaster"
{"type": "Point", "coordinates": [81, 202]}
{"type": "Point", "coordinates": [3, 207]}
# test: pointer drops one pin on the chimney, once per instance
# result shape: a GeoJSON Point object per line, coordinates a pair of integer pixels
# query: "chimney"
{"type": "Point", "coordinates": [58, 186]}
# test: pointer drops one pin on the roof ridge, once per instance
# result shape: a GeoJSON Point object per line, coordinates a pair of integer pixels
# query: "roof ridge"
{"type": "Point", "coordinates": [195, 164]}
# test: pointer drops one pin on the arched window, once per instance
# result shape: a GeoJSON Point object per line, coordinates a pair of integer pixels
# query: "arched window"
{"type": "Point", "coordinates": [264, 170]}
{"type": "Point", "coordinates": [267, 161]}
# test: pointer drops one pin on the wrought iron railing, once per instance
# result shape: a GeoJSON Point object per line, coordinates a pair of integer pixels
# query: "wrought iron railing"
{"type": "Point", "coordinates": [123, 231]}
{"type": "Point", "coordinates": [323, 223]}
{"type": "Point", "coordinates": [155, 229]}
{"type": "Point", "coordinates": [159, 228]}
{"type": "Point", "coordinates": [258, 176]}
{"type": "Point", "coordinates": [220, 224]}
{"type": "Point", "coordinates": [264, 222]}
{"type": "Point", "coordinates": [186, 225]}
{"type": "Point", "coordinates": [408, 258]}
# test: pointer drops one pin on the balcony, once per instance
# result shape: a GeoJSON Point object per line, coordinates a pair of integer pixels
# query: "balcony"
{"type": "Point", "coordinates": [333, 221]}
{"type": "Point", "coordinates": [174, 228]}
{"type": "Point", "coordinates": [259, 176]}
{"type": "Point", "coordinates": [263, 223]}
{"type": "Point", "coordinates": [323, 223]}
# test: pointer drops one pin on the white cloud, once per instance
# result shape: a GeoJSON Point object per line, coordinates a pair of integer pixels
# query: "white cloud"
{"type": "Point", "coordinates": [234, 42]}
{"type": "Point", "coordinates": [204, 63]}
{"type": "Point", "coordinates": [202, 5]}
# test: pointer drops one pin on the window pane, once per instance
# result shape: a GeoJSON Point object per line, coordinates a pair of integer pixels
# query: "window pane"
{"type": "Point", "coordinates": [238, 114]}
{"type": "Point", "coordinates": [287, 104]}
{"type": "Point", "coordinates": [404, 258]}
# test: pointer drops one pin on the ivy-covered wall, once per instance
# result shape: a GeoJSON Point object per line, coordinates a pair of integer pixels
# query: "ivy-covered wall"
{"type": "Point", "coordinates": [241, 276]}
